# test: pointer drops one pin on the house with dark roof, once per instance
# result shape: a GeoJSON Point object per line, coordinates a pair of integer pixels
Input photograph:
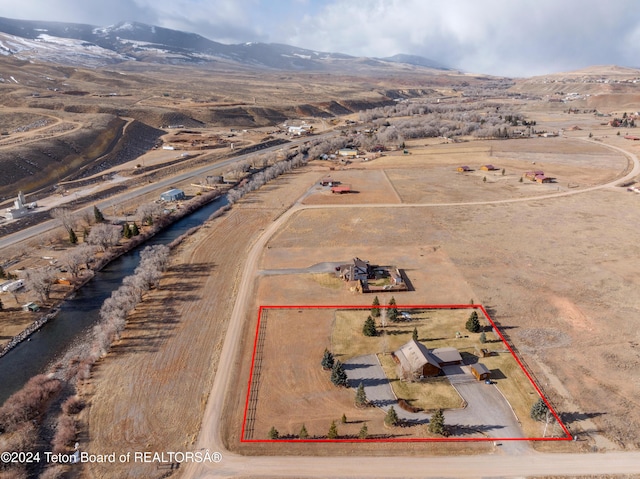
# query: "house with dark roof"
{"type": "Point", "coordinates": [415, 362]}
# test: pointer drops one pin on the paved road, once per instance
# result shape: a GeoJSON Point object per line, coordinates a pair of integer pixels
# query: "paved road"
{"type": "Point", "coordinates": [531, 464]}
{"type": "Point", "coordinates": [136, 192]}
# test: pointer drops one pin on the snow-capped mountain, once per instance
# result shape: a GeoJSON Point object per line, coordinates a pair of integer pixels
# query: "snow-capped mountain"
{"type": "Point", "coordinates": [88, 45]}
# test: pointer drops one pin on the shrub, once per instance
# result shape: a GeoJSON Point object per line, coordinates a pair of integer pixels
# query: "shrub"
{"type": "Point", "coordinates": [361, 396]}
{"type": "Point", "coordinates": [369, 327]}
{"type": "Point", "coordinates": [375, 309]}
{"type": "Point", "coordinates": [338, 375]}
{"type": "Point", "coordinates": [473, 324]}
{"type": "Point", "coordinates": [273, 433]}
{"type": "Point", "coordinates": [65, 434]}
{"type": "Point", "coordinates": [333, 431]}
{"type": "Point", "coordinates": [539, 410]}
{"type": "Point", "coordinates": [29, 403]}
{"type": "Point", "coordinates": [436, 424]}
{"type": "Point", "coordinates": [327, 360]}
{"type": "Point", "coordinates": [73, 405]}
{"type": "Point", "coordinates": [391, 419]}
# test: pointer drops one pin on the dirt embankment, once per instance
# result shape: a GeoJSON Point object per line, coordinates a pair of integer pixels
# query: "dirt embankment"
{"type": "Point", "coordinates": [42, 163]}
{"type": "Point", "coordinates": [136, 139]}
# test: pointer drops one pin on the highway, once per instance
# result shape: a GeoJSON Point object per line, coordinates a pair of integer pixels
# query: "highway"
{"type": "Point", "coordinates": [161, 185]}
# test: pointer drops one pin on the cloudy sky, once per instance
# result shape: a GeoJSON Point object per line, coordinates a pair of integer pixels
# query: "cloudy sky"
{"type": "Point", "coordinates": [501, 37]}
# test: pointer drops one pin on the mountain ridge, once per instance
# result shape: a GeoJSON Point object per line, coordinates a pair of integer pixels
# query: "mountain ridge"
{"type": "Point", "coordinates": [89, 45]}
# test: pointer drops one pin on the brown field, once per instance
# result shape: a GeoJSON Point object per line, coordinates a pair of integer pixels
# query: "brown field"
{"type": "Point", "coordinates": [292, 389]}
{"type": "Point", "coordinates": [170, 347]}
{"type": "Point", "coordinates": [559, 276]}
{"type": "Point", "coordinates": [520, 261]}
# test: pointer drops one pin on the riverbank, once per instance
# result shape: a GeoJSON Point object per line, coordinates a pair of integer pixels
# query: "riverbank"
{"type": "Point", "coordinates": [110, 255]}
{"type": "Point", "coordinates": [161, 369]}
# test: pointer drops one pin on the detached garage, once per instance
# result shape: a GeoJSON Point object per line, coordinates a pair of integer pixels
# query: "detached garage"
{"type": "Point", "coordinates": [480, 371]}
{"type": "Point", "coordinates": [173, 195]}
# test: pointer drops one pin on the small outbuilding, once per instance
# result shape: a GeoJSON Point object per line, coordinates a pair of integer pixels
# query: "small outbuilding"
{"type": "Point", "coordinates": [488, 168]}
{"type": "Point", "coordinates": [348, 152]}
{"type": "Point", "coordinates": [531, 175]}
{"type": "Point", "coordinates": [463, 169]}
{"type": "Point", "coordinates": [173, 194]}
{"type": "Point", "coordinates": [480, 371]}
{"type": "Point", "coordinates": [33, 307]}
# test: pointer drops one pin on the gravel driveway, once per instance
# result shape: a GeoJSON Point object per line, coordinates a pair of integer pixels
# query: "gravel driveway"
{"type": "Point", "coordinates": [487, 412]}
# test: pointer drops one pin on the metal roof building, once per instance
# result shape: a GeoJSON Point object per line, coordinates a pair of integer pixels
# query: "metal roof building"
{"type": "Point", "coordinates": [173, 194]}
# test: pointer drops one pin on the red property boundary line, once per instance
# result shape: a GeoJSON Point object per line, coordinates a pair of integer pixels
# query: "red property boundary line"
{"type": "Point", "coordinates": [568, 436]}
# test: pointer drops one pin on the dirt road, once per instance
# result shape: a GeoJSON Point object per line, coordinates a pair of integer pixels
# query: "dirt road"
{"type": "Point", "coordinates": [532, 464]}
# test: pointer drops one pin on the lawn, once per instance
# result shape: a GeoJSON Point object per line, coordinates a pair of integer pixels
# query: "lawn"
{"type": "Point", "coordinates": [436, 328]}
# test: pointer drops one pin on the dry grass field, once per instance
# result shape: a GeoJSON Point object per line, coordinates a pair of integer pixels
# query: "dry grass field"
{"type": "Point", "coordinates": [558, 274]}
{"type": "Point", "coordinates": [555, 272]}
{"type": "Point", "coordinates": [159, 374]}
{"type": "Point", "coordinates": [292, 389]}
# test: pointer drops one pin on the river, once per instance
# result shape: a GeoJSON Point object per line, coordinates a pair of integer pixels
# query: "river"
{"type": "Point", "coordinates": [78, 314]}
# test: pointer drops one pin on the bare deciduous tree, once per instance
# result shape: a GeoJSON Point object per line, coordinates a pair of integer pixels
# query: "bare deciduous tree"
{"type": "Point", "coordinates": [77, 257]}
{"type": "Point", "coordinates": [103, 236]}
{"type": "Point", "coordinates": [66, 217]}
{"type": "Point", "coordinates": [40, 281]}
{"type": "Point", "coordinates": [147, 212]}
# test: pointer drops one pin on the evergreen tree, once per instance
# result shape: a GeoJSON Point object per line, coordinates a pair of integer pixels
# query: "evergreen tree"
{"type": "Point", "coordinates": [333, 431]}
{"type": "Point", "coordinates": [375, 310]}
{"type": "Point", "coordinates": [2, 273]}
{"type": "Point", "coordinates": [414, 335]}
{"type": "Point", "coordinates": [303, 434]}
{"type": "Point", "coordinates": [392, 312]}
{"type": "Point", "coordinates": [273, 433]}
{"type": "Point", "coordinates": [338, 376]}
{"type": "Point", "coordinates": [369, 328]}
{"type": "Point", "coordinates": [361, 396]}
{"type": "Point", "coordinates": [126, 231]}
{"type": "Point", "coordinates": [343, 419]}
{"type": "Point", "coordinates": [327, 360]}
{"type": "Point", "coordinates": [97, 214]}
{"type": "Point", "coordinates": [391, 419]}
{"type": "Point", "coordinates": [473, 324]}
{"type": "Point", "coordinates": [73, 239]}
{"type": "Point", "coordinates": [364, 432]}
{"type": "Point", "coordinates": [1, 305]}
{"type": "Point", "coordinates": [436, 424]}
{"type": "Point", "coordinates": [483, 337]}
{"type": "Point", "coordinates": [135, 231]}
{"type": "Point", "coordinates": [539, 410]}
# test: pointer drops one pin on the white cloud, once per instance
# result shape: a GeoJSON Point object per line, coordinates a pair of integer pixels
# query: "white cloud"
{"type": "Point", "coordinates": [488, 36]}
{"type": "Point", "coordinates": [493, 36]}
